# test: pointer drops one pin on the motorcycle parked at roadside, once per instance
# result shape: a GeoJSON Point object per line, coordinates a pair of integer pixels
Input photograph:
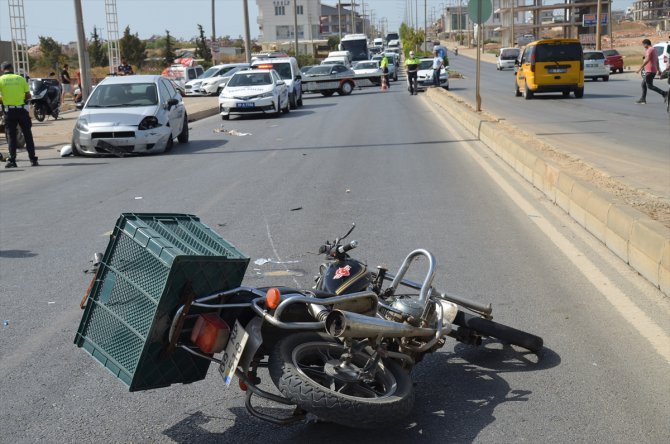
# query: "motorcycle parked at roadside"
{"type": "Point", "coordinates": [342, 351]}
{"type": "Point", "coordinates": [45, 101]}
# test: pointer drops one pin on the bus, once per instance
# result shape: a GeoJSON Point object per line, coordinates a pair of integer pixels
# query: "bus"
{"type": "Point", "coordinates": [357, 45]}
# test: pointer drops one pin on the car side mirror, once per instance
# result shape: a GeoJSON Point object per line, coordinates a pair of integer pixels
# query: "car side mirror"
{"type": "Point", "coordinates": [171, 103]}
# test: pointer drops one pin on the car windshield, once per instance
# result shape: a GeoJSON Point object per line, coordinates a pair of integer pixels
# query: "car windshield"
{"type": "Point", "coordinates": [209, 73]}
{"type": "Point", "coordinates": [366, 65]}
{"type": "Point", "coordinates": [322, 70]}
{"type": "Point", "coordinates": [558, 52]}
{"type": "Point", "coordinates": [123, 95]}
{"type": "Point", "coordinates": [251, 79]}
{"type": "Point", "coordinates": [283, 69]}
{"type": "Point", "coordinates": [594, 56]}
{"type": "Point", "coordinates": [509, 54]}
{"type": "Point", "coordinates": [426, 64]}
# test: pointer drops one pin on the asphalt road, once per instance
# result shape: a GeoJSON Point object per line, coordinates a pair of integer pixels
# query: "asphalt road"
{"type": "Point", "coordinates": [605, 128]}
{"type": "Point", "coordinates": [409, 179]}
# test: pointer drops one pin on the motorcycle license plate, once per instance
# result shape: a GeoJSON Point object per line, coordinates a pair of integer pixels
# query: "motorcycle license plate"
{"type": "Point", "coordinates": [233, 352]}
{"type": "Point", "coordinates": [245, 105]}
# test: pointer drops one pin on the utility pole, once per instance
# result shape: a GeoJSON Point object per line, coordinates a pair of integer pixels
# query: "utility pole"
{"type": "Point", "coordinates": [213, 27]}
{"type": "Point", "coordinates": [247, 34]}
{"type": "Point", "coordinates": [295, 24]}
{"type": "Point", "coordinates": [598, 12]}
{"type": "Point", "coordinates": [339, 18]}
{"type": "Point", "coordinates": [84, 68]}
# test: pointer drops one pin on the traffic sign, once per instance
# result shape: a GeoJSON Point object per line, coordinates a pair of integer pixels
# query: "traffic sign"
{"type": "Point", "coordinates": [479, 14]}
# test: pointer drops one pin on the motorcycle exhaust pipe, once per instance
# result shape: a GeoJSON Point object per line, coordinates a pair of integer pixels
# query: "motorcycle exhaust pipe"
{"type": "Point", "coordinates": [343, 324]}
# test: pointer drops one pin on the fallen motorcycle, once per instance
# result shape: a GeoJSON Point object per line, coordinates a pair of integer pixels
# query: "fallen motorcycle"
{"type": "Point", "coordinates": [341, 351]}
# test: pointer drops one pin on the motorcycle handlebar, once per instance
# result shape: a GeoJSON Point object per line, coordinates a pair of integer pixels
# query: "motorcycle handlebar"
{"type": "Point", "coordinates": [350, 246]}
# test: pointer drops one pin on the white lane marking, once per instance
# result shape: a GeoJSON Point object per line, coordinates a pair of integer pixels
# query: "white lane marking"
{"type": "Point", "coordinates": [274, 250]}
{"type": "Point", "coordinates": [651, 331]}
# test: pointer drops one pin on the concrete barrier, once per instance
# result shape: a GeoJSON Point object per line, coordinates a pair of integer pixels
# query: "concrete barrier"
{"type": "Point", "coordinates": [633, 236]}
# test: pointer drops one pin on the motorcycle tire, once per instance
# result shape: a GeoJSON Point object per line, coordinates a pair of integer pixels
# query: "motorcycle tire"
{"type": "Point", "coordinates": [499, 331]}
{"type": "Point", "coordinates": [303, 365]}
{"type": "Point", "coordinates": [39, 113]}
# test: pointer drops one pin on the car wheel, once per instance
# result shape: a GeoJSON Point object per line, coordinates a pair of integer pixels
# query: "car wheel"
{"type": "Point", "coordinates": [327, 93]}
{"type": "Point", "coordinates": [292, 101]}
{"type": "Point", "coordinates": [606, 79]}
{"type": "Point", "coordinates": [527, 93]}
{"type": "Point", "coordinates": [277, 112]}
{"type": "Point", "coordinates": [566, 93]}
{"type": "Point", "coordinates": [346, 88]}
{"type": "Point", "coordinates": [620, 70]}
{"type": "Point", "coordinates": [225, 116]}
{"type": "Point", "coordinates": [183, 136]}
{"type": "Point", "coordinates": [579, 93]}
{"type": "Point", "coordinates": [287, 108]}
{"type": "Point", "coordinates": [169, 144]}
{"type": "Point", "coordinates": [75, 150]}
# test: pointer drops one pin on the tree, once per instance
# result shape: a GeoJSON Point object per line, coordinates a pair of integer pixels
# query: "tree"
{"type": "Point", "coordinates": [333, 41]}
{"type": "Point", "coordinates": [168, 50]}
{"type": "Point", "coordinates": [51, 53]}
{"type": "Point", "coordinates": [95, 50]}
{"type": "Point", "coordinates": [132, 48]}
{"type": "Point", "coordinates": [201, 49]}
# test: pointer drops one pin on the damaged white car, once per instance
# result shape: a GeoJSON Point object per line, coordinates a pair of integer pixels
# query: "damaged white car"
{"type": "Point", "coordinates": [139, 114]}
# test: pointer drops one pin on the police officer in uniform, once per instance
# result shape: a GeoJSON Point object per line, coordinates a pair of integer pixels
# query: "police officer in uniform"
{"type": "Point", "coordinates": [15, 94]}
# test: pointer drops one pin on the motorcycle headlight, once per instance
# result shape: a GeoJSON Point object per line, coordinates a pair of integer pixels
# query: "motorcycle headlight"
{"type": "Point", "coordinates": [148, 122]}
{"type": "Point", "coordinates": [82, 124]}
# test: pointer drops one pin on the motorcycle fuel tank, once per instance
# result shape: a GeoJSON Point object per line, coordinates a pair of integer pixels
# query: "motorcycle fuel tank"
{"type": "Point", "coordinates": [347, 276]}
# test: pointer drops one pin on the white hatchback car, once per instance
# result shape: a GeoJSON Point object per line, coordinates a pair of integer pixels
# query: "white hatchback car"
{"type": "Point", "coordinates": [212, 81]}
{"type": "Point", "coordinates": [140, 114]}
{"type": "Point", "coordinates": [595, 67]}
{"type": "Point", "coordinates": [254, 91]}
{"type": "Point", "coordinates": [424, 75]}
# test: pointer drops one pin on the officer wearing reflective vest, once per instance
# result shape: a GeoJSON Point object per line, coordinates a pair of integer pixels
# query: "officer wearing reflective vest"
{"type": "Point", "coordinates": [15, 94]}
{"type": "Point", "coordinates": [412, 65]}
{"type": "Point", "coordinates": [384, 65]}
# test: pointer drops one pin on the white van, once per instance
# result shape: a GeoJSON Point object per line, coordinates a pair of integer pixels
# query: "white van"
{"type": "Point", "coordinates": [288, 70]}
{"type": "Point", "coordinates": [506, 58]}
{"type": "Point", "coordinates": [182, 74]}
{"type": "Point", "coordinates": [663, 53]}
{"type": "Point", "coordinates": [378, 42]}
{"type": "Point", "coordinates": [336, 61]}
{"type": "Point", "coordinates": [343, 54]}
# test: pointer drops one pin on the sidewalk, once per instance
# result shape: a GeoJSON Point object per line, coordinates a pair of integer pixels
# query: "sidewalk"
{"type": "Point", "coordinates": [51, 135]}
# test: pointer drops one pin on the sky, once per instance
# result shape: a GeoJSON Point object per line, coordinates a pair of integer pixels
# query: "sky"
{"type": "Point", "coordinates": [56, 18]}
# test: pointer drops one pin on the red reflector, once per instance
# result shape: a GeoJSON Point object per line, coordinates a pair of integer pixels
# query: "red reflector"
{"type": "Point", "coordinates": [243, 385]}
{"type": "Point", "coordinates": [272, 298]}
{"type": "Point", "coordinates": [210, 333]}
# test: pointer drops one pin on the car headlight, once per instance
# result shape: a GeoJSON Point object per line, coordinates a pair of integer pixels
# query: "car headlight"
{"type": "Point", "coordinates": [82, 124]}
{"type": "Point", "coordinates": [148, 122]}
{"type": "Point", "coordinates": [267, 94]}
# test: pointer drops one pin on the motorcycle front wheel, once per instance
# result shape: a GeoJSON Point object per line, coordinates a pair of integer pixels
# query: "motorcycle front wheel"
{"type": "Point", "coordinates": [308, 369]}
{"type": "Point", "coordinates": [503, 332]}
{"type": "Point", "coordinates": [39, 112]}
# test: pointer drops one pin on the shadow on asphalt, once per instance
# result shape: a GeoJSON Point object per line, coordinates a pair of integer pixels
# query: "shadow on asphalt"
{"type": "Point", "coordinates": [456, 396]}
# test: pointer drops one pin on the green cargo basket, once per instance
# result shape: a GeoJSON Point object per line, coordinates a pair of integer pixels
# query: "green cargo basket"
{"type": "Point", "coordinates": [152, 261]}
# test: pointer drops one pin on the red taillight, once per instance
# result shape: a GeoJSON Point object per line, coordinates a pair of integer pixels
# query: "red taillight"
{"type": "Point", "coordinates": [210, 333]}
{"type": "Point", "coordinates": [532, 62]}
{"type": "Point", "coordinates": [272, 298]}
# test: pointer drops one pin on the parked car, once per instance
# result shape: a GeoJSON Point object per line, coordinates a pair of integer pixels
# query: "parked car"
{"type": "Point", "coordinates": [424, 75]}
{"type": "Point", "coordinates": [214, 79]}
{"type": "Point", "coordinates": [595, 67]}
{"type": "Point", "coordinates": [254, 91]}
{"type": "Point", "coordinates": [613, 60]}
{"type": "Point", "coordinates": [550, 65]}
{"type": "Point", "coordinates": [367, 67]}
{"type": "Point", "coordinates": [140, 114]}
{"type": "Point", "coordinates": [663, 53]}
{"type": "Point", "coordinates": [506, 58]}
{"type": "Point", "coordinates": [288, 70]}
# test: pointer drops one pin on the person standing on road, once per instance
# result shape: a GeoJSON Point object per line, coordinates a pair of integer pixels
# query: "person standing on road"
{"type": "Point", "coordinates": [412, 65]}
{"type": "Point", "coordinates": [66, 82]}
{"type": "Point", "coordinates": [437, 67]}
{"type": "Point", "coordinates": [384, 65]}
{"type": "Point", "coordinates": [15, 94]}
{"type": "Point", "coordinates": [650, 67]}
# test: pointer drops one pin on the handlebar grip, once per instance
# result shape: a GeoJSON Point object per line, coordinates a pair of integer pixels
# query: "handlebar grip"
{"type": "Point", "coordinates": [350, 246]}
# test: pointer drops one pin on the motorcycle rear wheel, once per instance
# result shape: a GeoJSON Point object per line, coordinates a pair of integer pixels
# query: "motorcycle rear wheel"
{"type": "Point", "coordinates": [499, 331]}
{"type": "Point", "coordinates": [305, 368]}
{"type": "Point", "coordinates": [39, 113]}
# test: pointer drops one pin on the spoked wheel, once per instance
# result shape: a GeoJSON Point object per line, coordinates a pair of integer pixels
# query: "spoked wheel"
{"type": "Point", "coordinates": [511, 335]}
{"type": "Point", "coordinates": [310, 369]}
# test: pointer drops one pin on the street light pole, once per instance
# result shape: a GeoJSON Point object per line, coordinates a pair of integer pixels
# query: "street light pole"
{"type": "Point", "coordinates": [247, 34]}
{"type": "Point", "coordinates": [82, 53]}
{"type": "Point", "coordinates": [213, 26]}
{"type": "Point", "coordinates": [295, 24]}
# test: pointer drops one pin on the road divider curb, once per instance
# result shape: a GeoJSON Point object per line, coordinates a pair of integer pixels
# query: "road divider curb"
{"type": "Point", "coordinates": [640, 241]}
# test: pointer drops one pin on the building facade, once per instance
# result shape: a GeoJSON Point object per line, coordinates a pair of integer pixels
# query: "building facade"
{"type": "Point", "coordinates": [276, 19]}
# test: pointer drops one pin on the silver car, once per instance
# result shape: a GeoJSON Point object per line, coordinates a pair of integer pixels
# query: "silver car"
{"type": "Point", "coordinates": [139, 114]}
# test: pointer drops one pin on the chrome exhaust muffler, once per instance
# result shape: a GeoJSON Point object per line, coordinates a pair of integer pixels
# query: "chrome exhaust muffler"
{"type": "Point", "coordinates": [344, 324]}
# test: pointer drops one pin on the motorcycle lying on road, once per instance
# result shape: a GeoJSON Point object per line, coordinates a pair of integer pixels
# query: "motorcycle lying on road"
{"type": "Point", "coordinates": [342, 351]}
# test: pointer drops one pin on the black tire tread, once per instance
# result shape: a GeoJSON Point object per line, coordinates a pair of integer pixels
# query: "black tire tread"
{"type": "Point", "coordinates": [499, 331]}
{"type": "Point", "coordinates": [312, 398]}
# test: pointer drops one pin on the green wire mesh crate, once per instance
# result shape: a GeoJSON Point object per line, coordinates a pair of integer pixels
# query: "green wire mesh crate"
{"type": "Point", "coordinates": [152, 261]}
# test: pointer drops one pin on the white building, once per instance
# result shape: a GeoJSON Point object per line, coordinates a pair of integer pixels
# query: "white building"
{"type": "Point", "coordinates": [276, 20]}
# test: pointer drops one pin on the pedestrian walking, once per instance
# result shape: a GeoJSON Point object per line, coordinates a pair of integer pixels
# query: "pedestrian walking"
{"type": "Point", "coordinates": [650, 68]}
{"type": "Point", "coordinates": [15, 93]}
{"type": "Point", "coordinates": [66, 83]}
